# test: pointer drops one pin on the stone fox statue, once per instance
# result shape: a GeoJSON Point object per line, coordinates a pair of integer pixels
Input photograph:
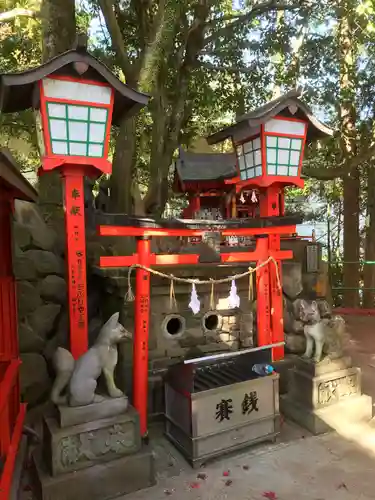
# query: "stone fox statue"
{"type": "Point", "coordinates": [80, 377]}
{"type": "Point", "coordinates": [327, 335]}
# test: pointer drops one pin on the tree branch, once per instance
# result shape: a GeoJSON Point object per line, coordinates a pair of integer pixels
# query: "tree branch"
{"type": "Point", "coordinates": [217, 20]}
{"type": "Point", "coordinates": [12, 14]}
{"type": "Point", "coordinates": [343, 169]}
{"type": "Point", "coordinates": [258, 9]}
{"type": "Point", "coordinates": [323, 173]}
{"type": "Point", "coordinates": [229, 69]}
{"type": "Point", "coordinates": [116, 36]}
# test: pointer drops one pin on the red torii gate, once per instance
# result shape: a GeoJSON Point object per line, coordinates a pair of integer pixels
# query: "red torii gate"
{"type": "Point", "coordinates": [269, 296]}
{"type": "Point", "coordinates": [12, 413]}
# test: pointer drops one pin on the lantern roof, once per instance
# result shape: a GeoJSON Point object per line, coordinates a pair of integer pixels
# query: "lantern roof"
{"type": "Point", "coordinates": [12, 179]}
{"type": "Point", "coordinates": [288, 105]}
{"type": "Point", "coordinates": [197, 167]}
{"type": "Point", "coordinates": [17, 89]}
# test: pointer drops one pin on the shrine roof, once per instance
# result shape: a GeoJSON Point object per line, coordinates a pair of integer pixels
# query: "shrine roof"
{"type": "Point", "coordinates": [13, 180]}
{"type": "Point", "coordinates": [280, 106]}
{"type": "Point", "coordinates": [17, 89]}
{"type": "Point", "coordinates": [150, 222]}
{"type": "Point", "coordinates": [205, 166]}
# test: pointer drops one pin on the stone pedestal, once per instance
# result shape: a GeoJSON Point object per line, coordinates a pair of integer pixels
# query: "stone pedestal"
{"type": "Point", "coordinates": [95, 450]}
{"type": "Point", "coordinates": [320, 393]}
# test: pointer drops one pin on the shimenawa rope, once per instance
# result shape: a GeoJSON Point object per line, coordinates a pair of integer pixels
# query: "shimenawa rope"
{"type": "Point", "coordinates": [129, 297]}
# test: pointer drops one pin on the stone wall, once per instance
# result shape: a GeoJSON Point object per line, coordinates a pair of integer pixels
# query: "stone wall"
{"type": "Point", "coordinates": [41, 292]}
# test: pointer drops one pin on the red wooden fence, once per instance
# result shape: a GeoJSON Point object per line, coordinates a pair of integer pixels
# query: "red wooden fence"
{"type": "Point", "coordinates": [12, 413]}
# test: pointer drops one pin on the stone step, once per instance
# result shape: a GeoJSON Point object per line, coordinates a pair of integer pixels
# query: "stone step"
{"type": "Point", "coordinates": [355, 409]}
{"type": "Point", "coordinates": [105, 481]}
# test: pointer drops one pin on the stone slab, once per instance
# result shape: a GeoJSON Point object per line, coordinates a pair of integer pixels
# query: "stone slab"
{"type": "Point", "coordinates": [80, 446]}
{"type": "Point", "coordinates": [327, 365]}
{"type": "Point", "coordinates": [319, 421]}
{"type": "Point", "coordinates": [76, 415]}
{"type": "Point", "coordinates": [324, 390]}
{"type": "Point", "coordinates": [104, 481]}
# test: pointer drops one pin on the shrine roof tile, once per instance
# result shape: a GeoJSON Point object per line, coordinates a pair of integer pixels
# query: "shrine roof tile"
{"type": "Point", "coordinates": [17, 89]}
{"type": "Point", "coordinates": [279, 106]}
{"type": "Point", "coordinates": [205, 166]}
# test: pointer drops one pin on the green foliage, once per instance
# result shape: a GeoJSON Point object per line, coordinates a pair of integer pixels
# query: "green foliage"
{"type": "Point", "coordinates": [20, 40]}
{"type": "Point", "coordinates": [236, 70]}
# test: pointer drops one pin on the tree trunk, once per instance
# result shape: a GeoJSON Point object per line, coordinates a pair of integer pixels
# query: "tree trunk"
{"type": "Point", "coordinates": [123, 167]}
{"type": "Point", "coordinates": [280, 55]}
{"type": "Point", "coordinates": [369, 269]}
{"type": "Point", "coordinates": [58, 35]}
{"type": "Point", "coordinates": [58, 27]}
{"type": "Point", "coordinates": [351, 182]}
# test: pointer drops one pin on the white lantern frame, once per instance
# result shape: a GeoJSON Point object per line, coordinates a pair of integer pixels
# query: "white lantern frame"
{"type": "Point", "coordinates": [274, 155]}
{"type": "Point", "coordinates": [74, 122]}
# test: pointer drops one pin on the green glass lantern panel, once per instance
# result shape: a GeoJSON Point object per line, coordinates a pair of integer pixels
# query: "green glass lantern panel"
{"type": "Point", "coordinates": [77, 130]}
{"type": "Point", "coordinates": [283, 155]}
{"type": "Point", "coordinates": [249, 158]}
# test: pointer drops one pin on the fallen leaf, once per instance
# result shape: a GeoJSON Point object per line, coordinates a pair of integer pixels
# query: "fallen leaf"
{"type": "Point", "coordinates": [342, 486]}
{"type": "Point", "coordinates": [202, 476]}
{"type": "Point", "coordinates": [194, 486]}
{"type": "Point", "coordinates": [228, 482]}
{"type": "Point", "coordinates": [226, 473]}
{"type": "Point", "coordinates": [271, 495]}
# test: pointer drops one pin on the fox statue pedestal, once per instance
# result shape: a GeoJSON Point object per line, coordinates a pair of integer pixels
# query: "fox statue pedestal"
{"type": "Point", "coordinates": [92, 445]}
{"type": "Point", "coordinates": [96, 458]}
{"type": "Point", "coordinates": [321, 394]}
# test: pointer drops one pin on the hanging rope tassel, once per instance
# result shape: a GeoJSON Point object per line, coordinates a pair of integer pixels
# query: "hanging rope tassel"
{"type": "Point", "coordinates": [251, 284]}
{"type": "Point", "coordinates": [212, 297]}
{"type": "Point", "coordinates": [172, 297]}
{"type": "Point", "coordinates": [129, 297]}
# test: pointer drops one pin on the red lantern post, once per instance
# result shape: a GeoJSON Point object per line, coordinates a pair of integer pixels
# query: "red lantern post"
{"type": "Point", "coordinates": [76, 116]}
{"type": "Point", "coordinates": [76, 257]}
{"type": "Point", "coordinates": [76, 99]}
{"type": "Point", "coordinates": [270, 143]}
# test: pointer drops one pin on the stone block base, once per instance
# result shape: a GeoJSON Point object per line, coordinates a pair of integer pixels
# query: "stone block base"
{"type": "Point", "coordinates": [325, 366]}
{"type": "Point", "coordinates": [318, 421]}
{"type": "Point", "coordinates": [325, 390]}
{"type": "Point", "coordinates": [103, 481]}
{"type": "Point", "coordinates": [79, 446]}
{"type": "Point", "coordinates": [75, 415]}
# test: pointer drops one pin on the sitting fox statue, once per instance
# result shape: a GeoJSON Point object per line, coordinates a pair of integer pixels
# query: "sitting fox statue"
{"type": "Point", "coordinates": [323, 335]}
{"type": "Point", "coordinates": [80, 377]}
